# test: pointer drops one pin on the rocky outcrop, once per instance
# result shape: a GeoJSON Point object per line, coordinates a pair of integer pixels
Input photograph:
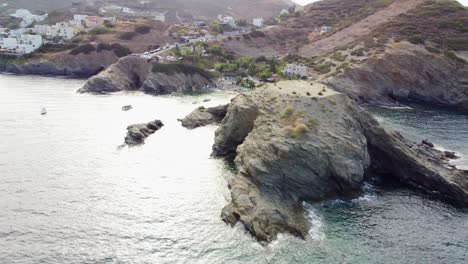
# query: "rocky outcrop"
{"type": "Point", "coordinates": [407, 73]}
{"type": "Point", "coordinates": [63, 64]}
{"type": "Point", "coordinates": [137, 134]}
{"type": "Point", "coordinates": [292, 145]}
{"type": "Point", "coordinates": [133, 73]}
{"type": "Point", "coordinates": [204, 116]}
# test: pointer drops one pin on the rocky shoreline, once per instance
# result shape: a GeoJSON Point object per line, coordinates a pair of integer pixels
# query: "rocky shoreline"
{"type": "Point", "coordinates": [62, 64]}
{"type": "Point", "coordinates": [294, 142]}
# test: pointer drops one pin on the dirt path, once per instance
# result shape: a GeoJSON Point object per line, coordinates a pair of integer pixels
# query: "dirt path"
{"type": "Point", "coordinates": [359, 29]}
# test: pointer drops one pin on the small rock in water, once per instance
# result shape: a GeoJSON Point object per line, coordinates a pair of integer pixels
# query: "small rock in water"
{"type": "Point", "coordinates": [450, 155]}
{"type": "Point", "coordinates": [427, 143]}
{"type": "Point", "coordinates": [206, 100]}
{"type": "Point", "coordinates": [137, 134]}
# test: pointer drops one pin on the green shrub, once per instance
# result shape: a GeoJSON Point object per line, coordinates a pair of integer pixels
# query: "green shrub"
{"type": "Point", "coordinates": [51, 48]}
{"type": "Point", "coordinates": [322, 68]}
{"type": "Point", "coordinates": [103, 46]}
{"type": "Point", "coordinates": [100, 31]}
{"type": "Point", "coordinates": [416, 39]}
{"type": "Point", "coordinates": [171, 69]}
{"type": "Point", "coordinates": [85, 48]}
{"type": "Point", "coordinates": [299, 130]}
{"type": "Point", "coordinates": [144, 29]}
{"type": "Point", "coordinates": [454, 57]}
{"type": "Point", "coordinates": [127, 35]}
{"type": "Point", "coordinates": [433, 50]}
{"type": "Point", "coordinates": [458, 43]}
{"type": "Point", "coordinates": [313, 122]}
{"type": "Point", "coordinates": [120, 51]}
{"type": "Point", "coordinates": [339, 57]}
{"type": "Point", "coordinates": [288, 112]}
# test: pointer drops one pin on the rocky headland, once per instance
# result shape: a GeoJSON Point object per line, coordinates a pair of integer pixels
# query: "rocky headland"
{"type": "Point", "coordinates": [295, 141]}
{"type": "Point", "coordinates": [137, 134]}
{"type": "Point", "coordinates": [62, 64]}
{"type": "Point", "coordinates": [133, 73]}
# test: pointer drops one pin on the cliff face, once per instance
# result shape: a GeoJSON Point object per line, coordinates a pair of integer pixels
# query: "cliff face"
{"type": "Point", "coordinates": [297, 142]}
{"type": "Point", "coordinates": [378, 52]}
{"type": "Point", "coordinates": [407, 73]}
{"type": "Point", "coordinates": [63, 63]}
{"type": "Point", "coordinates": [134, 73]}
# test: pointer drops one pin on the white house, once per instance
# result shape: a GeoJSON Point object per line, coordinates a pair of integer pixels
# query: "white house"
{"type": "Point", "coordinates": [66, 31]}
{"type": "Point", "coordinates": [78, 17]}
{"type": "Point", "coordinates": [110, 19]}
{"type": "Point", "coordinates": [23, 45]}
{"type": "Point", "coordinates": [9, 43]}
{"type": "Point", "coordinates": [159, 16]}
{"type": "Point", "coordinates": [229, 20]}
{"type": "Point", "coordinates": [40, 29]}
{"type": "Point", "coordinates": [258, 22]}
{"type": "Point", "coordinates": [325, 29]}
{"type": "Point", "coordinates": [293, 69]}
{"type": "Point", "coordinates": [94, 21]}
{"type": "Point", "coordinates": [284, 12]}
{"type": "Point", "coordinates": [27, 18]}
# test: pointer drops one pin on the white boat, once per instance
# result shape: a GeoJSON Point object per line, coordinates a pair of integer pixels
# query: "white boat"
{"type": "Point", "coordinates": [127, 107]}
{"type": "Point", "coordinates": [43, 111]}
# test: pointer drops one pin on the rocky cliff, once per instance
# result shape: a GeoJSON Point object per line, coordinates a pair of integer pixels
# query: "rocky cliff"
{"type": "Point", "coordinates": [296, 142]}
{"type": "Point", "coordinates": [377, 52]}
{"type": "Point", "coordinates": [63, 63]}
{"type": "Point", "coordinates": [406, 73]}
{"type": "Point", "coordinates": [133, 73]}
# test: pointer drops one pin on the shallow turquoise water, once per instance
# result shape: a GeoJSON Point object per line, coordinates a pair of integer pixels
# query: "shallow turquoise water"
{"type": "Point", "coordinates": [70, 195]}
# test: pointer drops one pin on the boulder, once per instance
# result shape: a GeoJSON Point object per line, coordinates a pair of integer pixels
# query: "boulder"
{"type": "Point", "coordinates": [204, 116]}
{"type": "Point", "coordinates": [137, 134]}
{"type": "Point", "coordinates": [293, 145]}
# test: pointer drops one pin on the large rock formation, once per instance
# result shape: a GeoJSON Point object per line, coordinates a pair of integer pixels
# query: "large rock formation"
{"type": "Point", "coordinates": [137, 134]}
{"type": "Point", "coordinates": [204, 116]}
{"type": "Point", "coordinates": [296, 142]}
{"type": "Point", "coordinates": [63, 63]}
{"type": "Point", "coordinates": [406, 73]}
{"type": "Point", "coordinates": [133, 73]}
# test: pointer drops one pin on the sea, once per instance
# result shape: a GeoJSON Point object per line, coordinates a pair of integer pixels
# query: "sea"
{"type": "Point", "coordinates": [69, 193]}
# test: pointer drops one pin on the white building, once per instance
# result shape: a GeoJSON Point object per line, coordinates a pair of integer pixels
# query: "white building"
{"type": "Point", "coordinates": [78, 17]}
{"type": "Point", "coordinates": [160, 16]}
{"type": "Point", "coordinates": [229, 20]}
{"type": "Point", "coordinates": [9, 43]}
{"type": "Point", "coordinates": [284, 12]}
{"type": "Point", "coordinates": [258, 22]}
{"type": "Point", "coordinates": [27, 18]}
{"type": "Point", "coordinates": [325, 29]}
{"type": "Point", "coordinates": [40, 29]}
{"type": "Point", "coordinates": [22, 45]}
{"type": "Point", "coordinates": [293, 69]}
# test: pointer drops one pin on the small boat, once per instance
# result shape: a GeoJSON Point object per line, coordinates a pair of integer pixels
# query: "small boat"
{"type": "Point", "coordinates": [127, 107]}
{"type": "Point", "coordinates": [43, 111]}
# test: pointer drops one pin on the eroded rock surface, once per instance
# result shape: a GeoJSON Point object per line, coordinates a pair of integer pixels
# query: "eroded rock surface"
{"type": "Point", "coordinates": [133, 73]}
{"type": "Point", "coordinates": [137, 134]}
{"type": "Point", "coordinates": [293, 145]}
{"type": "Point", "coordinates": [204, 116]}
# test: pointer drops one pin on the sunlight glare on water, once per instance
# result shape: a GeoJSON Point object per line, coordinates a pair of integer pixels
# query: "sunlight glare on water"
{"type": "Point", "coordinates": [70, 195]}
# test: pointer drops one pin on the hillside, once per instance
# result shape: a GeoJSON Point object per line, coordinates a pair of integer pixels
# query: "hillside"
{"type": "Point", "coordinates": [39, 5]}
{"type": "Point", "coordinates": [210, 9]}
{"type": "Point", "coordinates": [379, 51]}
